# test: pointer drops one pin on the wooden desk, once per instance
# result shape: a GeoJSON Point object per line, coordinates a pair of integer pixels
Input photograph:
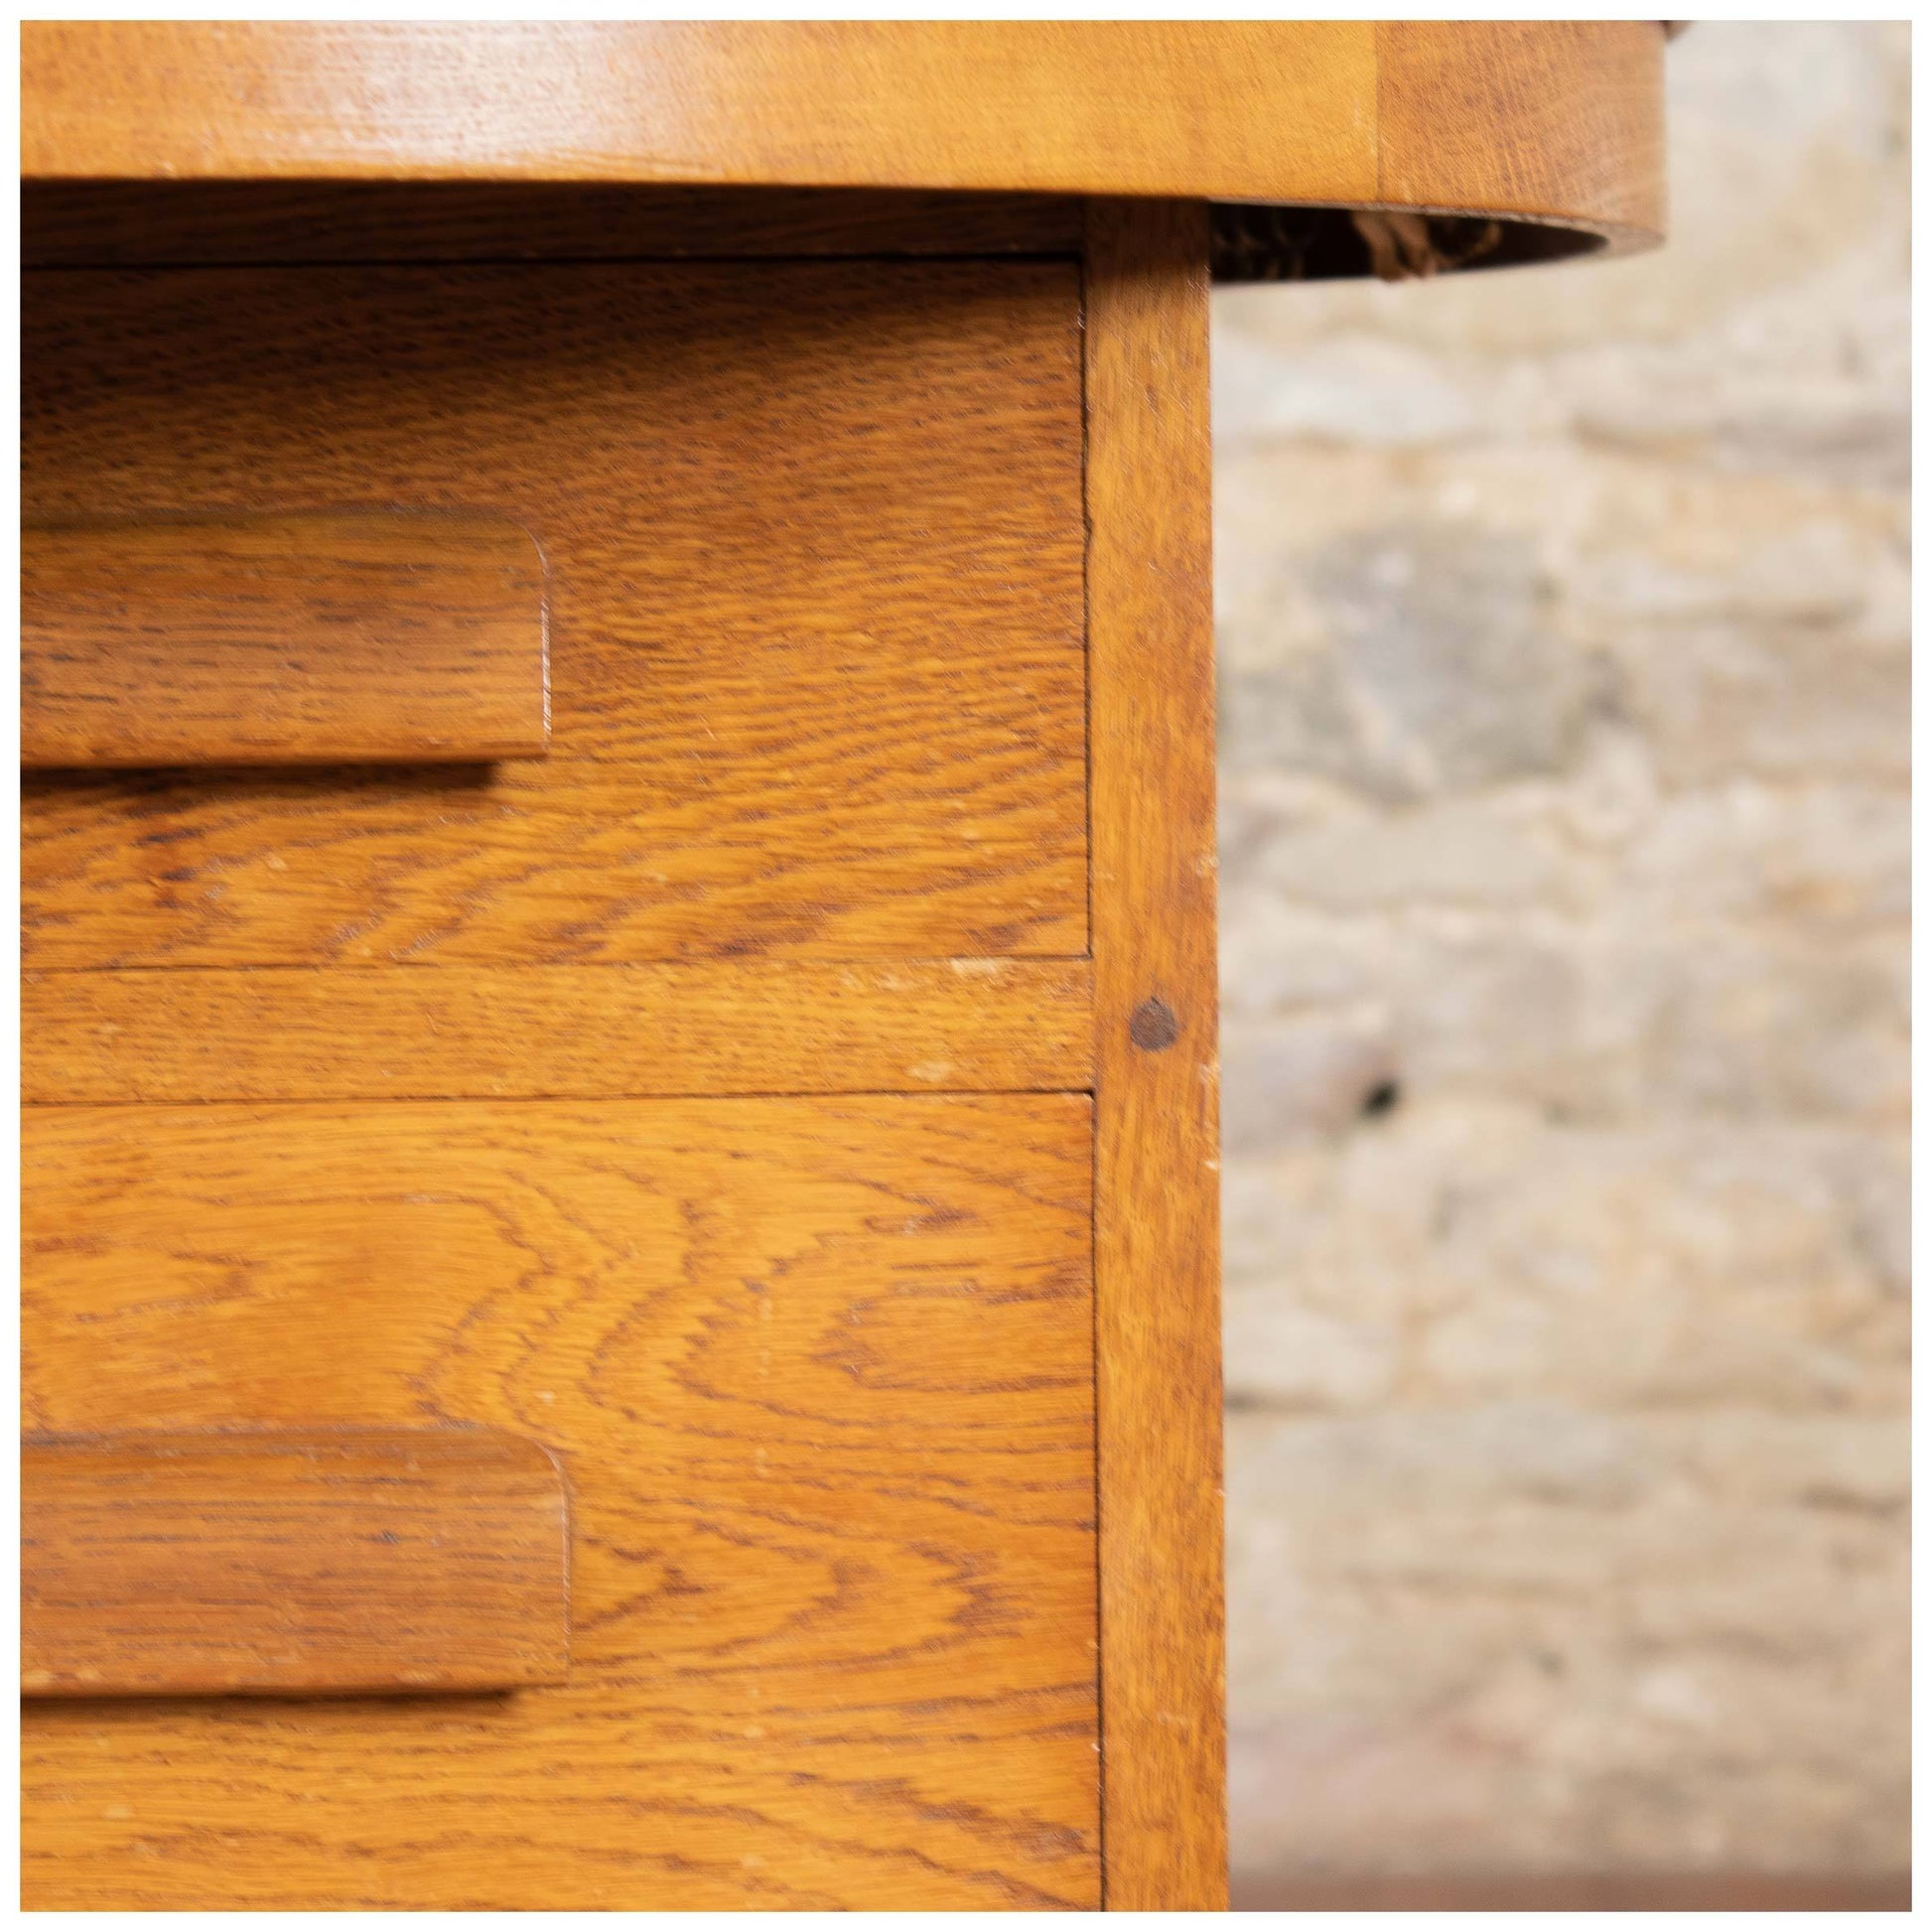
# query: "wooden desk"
{"type": "Point", "coordinates": [771, 1070]}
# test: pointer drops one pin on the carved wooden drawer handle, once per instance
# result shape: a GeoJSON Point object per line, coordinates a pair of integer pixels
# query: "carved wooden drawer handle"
{"type": "Point", "coordinates": [292, 1562]}
{"type": "Point", "coordinates": [287, 639]}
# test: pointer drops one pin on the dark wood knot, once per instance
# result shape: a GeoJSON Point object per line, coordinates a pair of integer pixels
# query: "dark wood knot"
{"type": "Point", "coordinates": [1153, 1027]}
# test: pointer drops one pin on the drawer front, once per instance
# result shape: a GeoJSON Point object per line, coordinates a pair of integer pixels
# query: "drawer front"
{"type": "Point", "coordinates": [814, 537]}
{"type": "Point", "coordinates": [819, 1373]}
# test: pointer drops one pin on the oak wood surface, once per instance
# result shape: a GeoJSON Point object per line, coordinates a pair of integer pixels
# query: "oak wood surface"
{"type": "Point", "coordinates": [305, 639]}
{"type": "Point", "coordinates": [750, 1027]}
{"type": "Point", "coordinates": [100, 223]}
{"type": "Point", "coordinates": [1156, 1262]}
{"type": "Point", "coordinates": [1271, 111]}
{"type": "Point", "coordinates": [831, 1362]}
{"type": "Point", "coordinates": [822, 1372]}
{"type": "Point", "coordinates": [315, 1560]}
{"type": "Point", "coordinates": [813, 536]}
{"type": "Point", "coordinates": [1539, 117]}
{"type": "Point", "coordinates": [1253, 110]}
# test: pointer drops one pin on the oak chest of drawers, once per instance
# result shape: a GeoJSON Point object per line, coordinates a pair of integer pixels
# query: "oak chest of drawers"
{"type": "Point", "coordinates": [671, 1085]}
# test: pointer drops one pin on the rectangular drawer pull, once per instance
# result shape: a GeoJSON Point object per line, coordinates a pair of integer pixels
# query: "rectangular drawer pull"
{"type": "Point", "coordinates": [310, 638]}
{"type": "Point", "coordinates": [292, 1562]}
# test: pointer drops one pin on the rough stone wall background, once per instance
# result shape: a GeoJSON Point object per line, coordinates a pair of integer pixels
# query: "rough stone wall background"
{"type": "Point", "coordinates": [1564, 693]}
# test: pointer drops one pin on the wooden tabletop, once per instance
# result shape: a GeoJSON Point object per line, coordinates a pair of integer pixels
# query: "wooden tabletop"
{"type": "Point", "coordinates": [1551, 123]}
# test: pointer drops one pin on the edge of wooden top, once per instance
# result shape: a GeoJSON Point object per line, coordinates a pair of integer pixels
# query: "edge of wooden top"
{"type": "Point", "coordinates": [1552, 122]}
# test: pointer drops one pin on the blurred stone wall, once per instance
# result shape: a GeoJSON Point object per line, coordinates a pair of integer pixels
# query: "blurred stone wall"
{"type": "Point", "coordinates": [1564, 696]}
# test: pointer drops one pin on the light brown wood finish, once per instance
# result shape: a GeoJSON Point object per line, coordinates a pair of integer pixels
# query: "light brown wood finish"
{"type": "Point", "coordinates": [1141, 107]}
{"type": "Point", "coordinates": [564, 1032]}
{"type": "Point", "coordinates": [821, 1373]}
{"type": "Point", "coordinates": [1276, 111]}
{"type": "Point", "coordinates": [292, 1562]}
{"type": "Point", "coordinates": [814, 537]}
{"type": "Point", "coordinates": [839, 1393]}
{"type": "Point", "coordinates": [1157, 1216]}
{"type": "Point", "coordinates": [1538, 118]}
{"type": "Point", "coordinates": [291, 639]}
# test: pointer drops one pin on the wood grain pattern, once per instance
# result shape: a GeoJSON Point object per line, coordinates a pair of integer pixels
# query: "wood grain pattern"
{"type": "Point", "coordinates": [814, 534]}
{"type": "Point", "coordinates": [292, 1562]}
{"type": "Point", "coordinates": [748, 1026]}
{"type": "Point", "coordinates": [280, 641]}
{"type": "Point", "coordinates": [1255, 111]}
{"type": "Point", "coordinates": [822, 1372]}
{"type": "Point", "coordinates": [1266, 111]}
{"type": "Point", "coordinates": [1156, 1262]}
{"type": "Point", "coordinates": [1534, 117]}
{"type": "Point", "coordinates": [101, 223]}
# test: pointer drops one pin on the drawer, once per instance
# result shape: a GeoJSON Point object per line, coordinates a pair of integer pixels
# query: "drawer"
{"type": "Point", "coordinates": [711, 1119]}
{"type": "Point", "coordinates": [819, 1372]}
{"type": "Point", "coordinates": [813, 541]}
